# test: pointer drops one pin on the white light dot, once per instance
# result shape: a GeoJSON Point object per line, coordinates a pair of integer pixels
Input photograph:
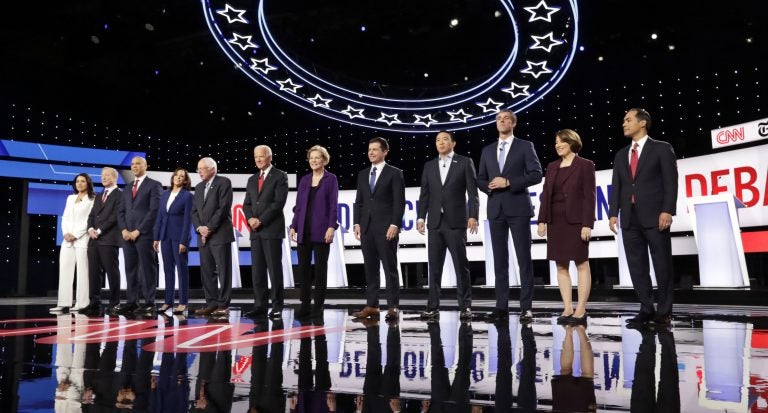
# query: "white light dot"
{"type": "Point", "coordinates": [654, 36]}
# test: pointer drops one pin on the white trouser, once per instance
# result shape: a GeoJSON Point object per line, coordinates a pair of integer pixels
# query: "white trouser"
{"type": "Point", "coordinates": [69, 259]}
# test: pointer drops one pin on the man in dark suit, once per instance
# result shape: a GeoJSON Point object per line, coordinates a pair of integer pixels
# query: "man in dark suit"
{"type": "Point", "coordinates": [378, 215]}
{"type": "Point", "coordinates": [644, 196]}
{"type": "Point", "coordinates": [449, 196]}
{"type": "Point", "coordinates": [507, 168]}
{"type": "Point", "coordinates": [103, 246]}
{"type": "Point", "coordinates": [212, 220]}
{"type": "Point", "coordinates": [265, 195]}
{"type": "Point", "coordinates": [136, 220]}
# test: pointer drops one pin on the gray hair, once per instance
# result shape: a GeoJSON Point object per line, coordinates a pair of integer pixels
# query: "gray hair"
{"type": "Point", "coordinates": [112, 171]}
{"type": "Point", "coordinates": [266, 148]}
{"type": "Point", "coordinates": [209, 162]}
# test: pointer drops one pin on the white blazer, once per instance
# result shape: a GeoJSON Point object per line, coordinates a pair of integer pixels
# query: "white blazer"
{"type": "Point", "coordinates": [75, 221]}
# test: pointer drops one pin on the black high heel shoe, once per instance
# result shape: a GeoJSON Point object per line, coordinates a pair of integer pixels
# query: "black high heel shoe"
{"type": "Point", "coordinates": [576, 321]}
{"type": "Point", "coordinates": [564, 319]}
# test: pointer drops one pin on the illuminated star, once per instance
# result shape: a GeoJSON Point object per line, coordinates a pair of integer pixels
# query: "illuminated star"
{"type": "Point", "coordinates": [550, 42]}
{"type": "Point", "coordinates": [541, 68]}
{"type": "Point", "coordinates": [541, 12]}
{"type": "Point", "coordinates": [318, 101]}
{"type": "Point", "coordinates": [292, 87]}
{"type": "Point", "coordinates": [421, 119]}
{"type": "Point", "coordinates": [353, 113]}
{"type": "Point", "coordinates": [388, 119]}
{"type": "Point", "coordinates": [243, 41]}
{"type": "Point", "coordinates": [517, 90]}
{"type": "Point", "coordinates": [262, 65]}
{"type": "Point", "coordinates": [487, 106]}
{"type": "Point", "coordinates": [460, 116]}
{"type": "Point", "coordinates": [229, 12]}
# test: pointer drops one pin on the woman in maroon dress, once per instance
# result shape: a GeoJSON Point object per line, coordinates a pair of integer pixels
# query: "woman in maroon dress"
{"type": "Point", "coordinates": [566, 218]}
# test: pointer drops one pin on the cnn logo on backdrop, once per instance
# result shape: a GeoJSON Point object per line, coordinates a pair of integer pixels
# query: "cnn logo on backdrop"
{"type": "Point", "coordinates": [738, 134]}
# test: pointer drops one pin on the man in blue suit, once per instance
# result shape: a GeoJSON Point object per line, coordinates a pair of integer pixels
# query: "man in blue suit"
{"type": "Point", "coordinates": [136, 220]}
{"type": "Point", "coordinates": [507, 168]}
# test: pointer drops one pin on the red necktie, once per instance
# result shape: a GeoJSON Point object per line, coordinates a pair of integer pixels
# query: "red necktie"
{"type": "Point", "coordinates": [261, 180]}
{"type": "Point", "coordinates": [633, 165]}
{"type": "Point", "coordinates": [104, 197]}
{"type": "Point", "coordinates": [135, 187]}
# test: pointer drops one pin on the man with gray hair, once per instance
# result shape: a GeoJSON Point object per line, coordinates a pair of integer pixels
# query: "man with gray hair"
{"type": "Point", "coordinates": [265, 196]}
{"type": "Point", "coordinates": [212, 219]}
{"type": "Point", "coordinates": [103, 247]}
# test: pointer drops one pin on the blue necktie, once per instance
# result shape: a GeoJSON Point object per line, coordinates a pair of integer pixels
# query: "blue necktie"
{"type": "Point", "coordinates": [502, 156]}
{"type": "Point", "coordinates": [372, 182]}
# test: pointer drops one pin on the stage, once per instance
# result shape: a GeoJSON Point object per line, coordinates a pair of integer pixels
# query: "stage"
{"type": "Point", "coordinates": [713, 358]}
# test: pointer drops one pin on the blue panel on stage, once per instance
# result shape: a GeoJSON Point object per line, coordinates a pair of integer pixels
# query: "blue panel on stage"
{"type": "Point", "coordinates": [47, 199]}
{"type": "Point", "coordinates": [27, 170]}
{"type": "Point", "coordinates": [45, 152]}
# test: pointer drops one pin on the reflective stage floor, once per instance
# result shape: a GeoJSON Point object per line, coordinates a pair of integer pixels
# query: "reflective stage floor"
{"type": "Point", "coordinates": [712, 359]}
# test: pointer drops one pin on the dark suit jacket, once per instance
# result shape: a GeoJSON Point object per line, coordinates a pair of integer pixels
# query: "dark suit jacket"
{"type": "Point", "coordinates": [385, 206]}
{"type": "Point", "coordinates": [104, 217]}
{"type": "Point", "coordinates": [175, 224]}
{"type": "Point", "coordinates": [214, 211]}
{"type": "Point", "coordinates": [140, 213]}
{"type": "Point", "coordinates": [268, 205]}
{"type": "Point", "coordinates": [324, 208]}
{"type": "Point", "coordinates": [521, 168]}
{"type": "Point", "coordinates": [654, 186]}
{"type": "Point", "coordinates": [451, 197]}
{"type": "Point", "coordinates": [579, 190]}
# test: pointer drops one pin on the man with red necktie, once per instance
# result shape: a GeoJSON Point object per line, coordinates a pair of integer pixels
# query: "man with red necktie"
{"type": "Point", "coordinates": [644, 196]}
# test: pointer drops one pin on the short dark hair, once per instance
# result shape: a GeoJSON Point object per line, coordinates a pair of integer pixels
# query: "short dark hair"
{"type": "Point", "coordinates": [88, 181]}
{"type": "Point", "coordinates": [642, 114]}
{"type": "Point", "coordinates": [187, 182]}
{"type": "Point", "coordinates": [383, 142]}
{"type": "Point", "coordinates": [450, 135]}
{"type": "Point", "coordinates": [570, 137]}
{"type": "Point", "coordinates": [510, 111]}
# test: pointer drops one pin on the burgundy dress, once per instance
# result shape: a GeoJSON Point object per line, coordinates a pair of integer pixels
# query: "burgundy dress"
{"type": "Point", "coordinates": [563, 239]}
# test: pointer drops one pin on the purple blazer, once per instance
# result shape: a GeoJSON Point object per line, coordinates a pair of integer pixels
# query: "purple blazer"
{"type": "Point", "coordinates": [579, 189]}
{"type": "Point", "coordinates": [324, 207]}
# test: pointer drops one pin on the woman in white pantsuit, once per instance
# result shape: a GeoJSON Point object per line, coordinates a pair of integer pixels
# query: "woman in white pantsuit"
{"type": "Point", "coordinates": [74, 248]}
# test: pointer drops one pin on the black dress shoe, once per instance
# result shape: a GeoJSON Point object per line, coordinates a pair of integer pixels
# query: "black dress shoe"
{"type": "Point", "coordinates": [256, 312]}
{"type": "Point", "coordinates": [144, 309]}
{"type": "Point", "coordinates": [526, 316]}
{"type": "Point", "coordinates": [127, 308]}
{"type": "Point", "coordinates": [662, 319]}
{"type": "Point", "coordinates": [465, 314]}
{"type": "Point", "coordinates": [430, 315]}
{"type": "Point", "coordinates": [578, 321]}
{"type": "Point", "coordinates": [498, 315]}
{"type": "Point", "coordinates": [275, 315]}
{"type": "Point", "coordinates": [563, 319]}
{"type": "Point", "coordinates": [641, 318]}
{"type": "Point", "coordinates": [302, 312]}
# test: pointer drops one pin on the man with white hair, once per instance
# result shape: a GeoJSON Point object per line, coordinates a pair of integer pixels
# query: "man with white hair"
{"type": "Point", "coordinates": [212, 219]}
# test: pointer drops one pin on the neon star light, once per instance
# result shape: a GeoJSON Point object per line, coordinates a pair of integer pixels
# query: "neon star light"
{"type": "Point", "coordinates": [541, 49]}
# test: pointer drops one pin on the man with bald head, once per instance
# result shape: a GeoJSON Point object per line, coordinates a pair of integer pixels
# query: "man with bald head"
{"type": "Point", "coordinates": [212, 220]}
{"type": "Point", "coordinates": [104, 244]}
{"type": "Point", "coordinates": [136, 221]}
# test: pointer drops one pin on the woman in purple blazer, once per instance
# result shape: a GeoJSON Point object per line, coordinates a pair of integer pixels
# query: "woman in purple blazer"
{"type": "Point", "coordinates": [314, 223]}
{"type": "Point", "coordinates": [172, 234]}
{"type": "Point", "coordinates": [566, 218]}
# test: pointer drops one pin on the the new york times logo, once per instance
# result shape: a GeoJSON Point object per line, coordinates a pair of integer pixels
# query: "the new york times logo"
{"type": "Point", "coordinates": [762, 129]}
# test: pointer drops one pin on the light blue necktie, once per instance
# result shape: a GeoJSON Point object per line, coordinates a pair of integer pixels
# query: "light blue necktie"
{"type": "Point", "coordinates": [372, 182]}
{"type": "Point", "coordinates": [502, 156]}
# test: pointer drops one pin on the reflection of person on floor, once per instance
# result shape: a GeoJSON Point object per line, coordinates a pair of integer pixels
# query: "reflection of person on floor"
{"type": "Point", "coordinates": [314, 397]}
{"type": "Point", "coordinates": [213, 390]}
{"type": "Point", "coordinates": [70, 363]}
{"type": "Point", "coordinates": [644, 396]}
{"type": "Point", "coordinates": [447, 396]}
{"type": "Point", "coordinates": [99, 394]}
{"type": "Point", "coordinates": [572, 392]}
{"type": "Point", "coordinates": [381, 392]}
{"type": "Point", "coordinates": [170, 389]}
{"type": "Point", "coordinates": [526, 391]}
{"type": "Point", "coordinates": [266, 394]}
{"type": "Point", "coordinates": [504, 368]}
{"type": "Point", "coordinates": [134, 379]}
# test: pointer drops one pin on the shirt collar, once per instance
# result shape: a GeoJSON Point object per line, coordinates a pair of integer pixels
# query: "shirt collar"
{"type": "Point", "coordinates": [641, 142]}
{"type": "Point", "coordinates": [448, 157]}
{"type": "Point", "coordinates": [266, 171]}
{"type": "Point", "coordinates": [508, 140]}
{"type": "Point", "coordinates": [379, 166]}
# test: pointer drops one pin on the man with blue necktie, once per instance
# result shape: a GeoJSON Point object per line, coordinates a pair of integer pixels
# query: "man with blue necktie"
{"type": "Point", "coordinates": [507, 168]}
